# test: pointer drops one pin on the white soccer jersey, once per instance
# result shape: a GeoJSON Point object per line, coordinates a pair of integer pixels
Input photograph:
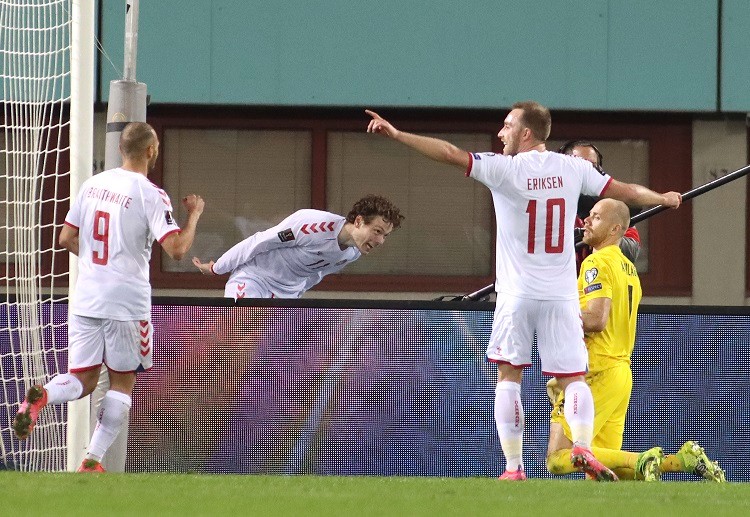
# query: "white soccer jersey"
{"type": "Point", "coordinates": [291, 257]}
{"type": "Point", "coordinates": [118, 214]}
{"type": "Point", "coordinates": [535, 196]}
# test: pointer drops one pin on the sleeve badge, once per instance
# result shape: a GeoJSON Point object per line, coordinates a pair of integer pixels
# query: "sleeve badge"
{"type": "Point", "coordinates": [286, 235]}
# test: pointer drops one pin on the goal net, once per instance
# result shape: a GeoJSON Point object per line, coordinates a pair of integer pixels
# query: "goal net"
{"type": "Point", "coordinates": [35, 64]}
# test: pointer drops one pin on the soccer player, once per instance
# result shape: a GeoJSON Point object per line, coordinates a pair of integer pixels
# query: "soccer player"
{"type": "Point", "coordinates": [535, 193]}
{"type": "Point", "coordinates": [288, 259]}
{"type": "Point", "coordinates": [610, 293]}
{"type": "Point", "coordinates": [111, 226]}
{"type": "Point", "coordinates": [630, 244]}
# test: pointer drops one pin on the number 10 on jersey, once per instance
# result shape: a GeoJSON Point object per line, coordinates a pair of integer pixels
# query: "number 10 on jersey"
{"type": "Point", "coordinates": [552, 217]}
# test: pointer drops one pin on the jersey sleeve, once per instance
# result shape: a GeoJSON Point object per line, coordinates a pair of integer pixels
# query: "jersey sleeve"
{"type": "Point", "coordinates": [299, 229]}
{"type": "Point", "coordinates": [158, 208]}
{"type": "Point", "coordinates": [595, 279]}
{"type": "Point", "coordinates": [73, 217]}
{"type": "Point", "coordinates": [593, 182]}
{"type": "Point", "coordinates": [489, 168]}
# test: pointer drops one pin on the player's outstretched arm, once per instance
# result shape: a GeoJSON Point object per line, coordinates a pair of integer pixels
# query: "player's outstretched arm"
{"type": "Point", "coordinates": [434, 148]}
{"type": "Point", "coordinates": [178, 244]}
{"type": "Point", "coordinates": [205, 268]}
{"type": "Point", "coordinates": [638, 195]}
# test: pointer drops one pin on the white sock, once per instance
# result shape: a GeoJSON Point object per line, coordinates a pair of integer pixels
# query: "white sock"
{"type": "Point", "coordinates": [579, 413]}
{"type": "Point", "coordinates": [63, 388]}
{"type": "Point", "coordinates": [113, 412]}
{"type": "Point", "coordinates": [509, 418]}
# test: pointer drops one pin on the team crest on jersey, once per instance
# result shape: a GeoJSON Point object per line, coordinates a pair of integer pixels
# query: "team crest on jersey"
{"type": "Point", "coordinates": [286, 235]}
{"type": "Point", "coordinates": [590, 275]}
{"type": "Point", "coordinates": [168, 217]}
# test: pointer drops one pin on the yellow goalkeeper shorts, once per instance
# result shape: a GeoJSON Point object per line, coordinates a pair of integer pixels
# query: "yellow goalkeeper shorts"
{"type": "Point", "coordinates": [611, 390]}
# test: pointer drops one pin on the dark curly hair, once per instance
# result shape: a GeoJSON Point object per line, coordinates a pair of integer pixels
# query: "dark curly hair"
{"type": "Point", "coordinates": [567, 148]}
{"type": "Point", "coordinates": [371, 206]}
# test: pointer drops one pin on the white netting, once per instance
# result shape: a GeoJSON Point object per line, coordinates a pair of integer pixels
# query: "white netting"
{"type": "Point", "coordinates": [35, 40]}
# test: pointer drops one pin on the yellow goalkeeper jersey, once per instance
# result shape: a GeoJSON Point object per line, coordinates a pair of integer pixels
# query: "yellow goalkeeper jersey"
{"type": "Point", "coordinates": [608, 274]}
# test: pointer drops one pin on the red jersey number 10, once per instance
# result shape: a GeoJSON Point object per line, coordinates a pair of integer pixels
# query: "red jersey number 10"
{"type": "Point", "coordinates": [554, 217]}
{"type": "Point", "coordinates": [101, 234]}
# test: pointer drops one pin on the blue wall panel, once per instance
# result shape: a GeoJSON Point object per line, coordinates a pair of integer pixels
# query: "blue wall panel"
{"type": "Point", "coordinates": [735, 56]}
{"type": "Point", "coordinates": [632, 54]}
{"type": "Point", "coordinates": [662, 55]}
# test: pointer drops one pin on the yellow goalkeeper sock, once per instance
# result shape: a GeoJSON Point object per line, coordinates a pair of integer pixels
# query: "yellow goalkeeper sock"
{"type": "Point", "coordinates": [672, 463]}
{"type": "Point", "coordinates": [559, 461]}
{"type": "Point", "coordinates": [625, 473]}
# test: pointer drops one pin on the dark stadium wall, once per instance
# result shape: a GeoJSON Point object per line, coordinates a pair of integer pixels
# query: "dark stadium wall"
{"type": "Point", "coordinates": [669, 143]}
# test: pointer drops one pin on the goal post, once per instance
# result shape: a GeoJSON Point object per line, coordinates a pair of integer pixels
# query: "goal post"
{"type": "Point", "coordinates": [81, 165]}
{"type": "Point", "coordinates": [46, 65]}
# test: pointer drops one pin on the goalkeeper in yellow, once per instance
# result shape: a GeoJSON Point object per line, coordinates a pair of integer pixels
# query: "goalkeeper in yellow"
{"type": "Point", "coordinates": [610, 292]}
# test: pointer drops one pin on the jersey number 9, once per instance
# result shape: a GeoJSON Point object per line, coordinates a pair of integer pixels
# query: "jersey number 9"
{"type": "Point", "coordinates": [101, 234]}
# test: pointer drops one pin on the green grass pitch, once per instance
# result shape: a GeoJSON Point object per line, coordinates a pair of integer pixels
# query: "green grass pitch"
{"type": "Point", "coordinates": [186, 495]}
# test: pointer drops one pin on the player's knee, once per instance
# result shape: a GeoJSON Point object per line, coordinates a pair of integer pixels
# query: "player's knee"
{"type": "Point", "coordinates": [88, 379]}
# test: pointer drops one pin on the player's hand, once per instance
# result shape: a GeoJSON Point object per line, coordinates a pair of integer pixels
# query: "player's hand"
{"type": "Point", "coordinates": [206, 269]}
{"type": "Point", "coordinates": [194, 204]}
{"type": "Point", "coordinates": [380, 125]}
{"type": "Point", "coordinates": [672, 199]}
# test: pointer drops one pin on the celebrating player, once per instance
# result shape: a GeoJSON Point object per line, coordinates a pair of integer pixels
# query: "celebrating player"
{"type": "Point", "coordinates": [288, 259]}
{"type": "Point", "coordinates": [535, 193]}
{"type": "Point", "coordinates": [111, 226]}
{"type": "Point", "coordinates": [610, 293]}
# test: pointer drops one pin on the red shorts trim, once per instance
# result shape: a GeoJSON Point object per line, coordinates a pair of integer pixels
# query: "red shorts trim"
{"type": "Point", "coordinates": [118, 371]}
{"type": "Point", "coordinates": [167, 235]}
{"type": "Point", "coordinates": [516, 366]}
{"type": "Point", "coordinates": [562, 375]}
{"type": "Point", "coordinates": [84, 368]}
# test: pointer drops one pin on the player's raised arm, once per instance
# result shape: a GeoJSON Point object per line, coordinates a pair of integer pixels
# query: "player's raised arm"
{"type": "Point", "coordinates": [177, 244]}
{"type": "Point", "coordinates": [433, 148]}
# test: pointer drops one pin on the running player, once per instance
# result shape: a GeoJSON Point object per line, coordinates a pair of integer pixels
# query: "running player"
{"type": "Point", "coordinates": [111, 226]}
{"type": "Point", "coordinates": [535, 193]}
{"type": "Point", "coordinates": [610, 293]}
{"type": "Point", "coordinates": [288, 259]}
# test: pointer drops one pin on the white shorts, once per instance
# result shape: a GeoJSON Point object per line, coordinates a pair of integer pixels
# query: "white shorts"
{"type": "Point", "coordinates": [238, 289]}
{"type": "Point", "coordinates": [559, 331]}
{"type": "Point", "coordinates": [123, 346]}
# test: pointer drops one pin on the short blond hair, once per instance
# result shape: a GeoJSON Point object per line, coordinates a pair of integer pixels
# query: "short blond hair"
{"type": "Point", "coordinates": [135, 138]}
{"type": "Point", "coordinates": [535, 117]}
